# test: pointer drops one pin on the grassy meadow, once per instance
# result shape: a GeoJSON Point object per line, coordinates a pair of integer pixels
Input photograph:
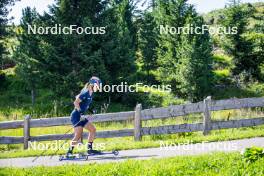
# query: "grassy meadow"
{"type": "Point", "coordinates": [215, 164]}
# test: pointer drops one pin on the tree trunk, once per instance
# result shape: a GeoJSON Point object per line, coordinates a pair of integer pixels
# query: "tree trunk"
{"type": "Point", "coordinates": [33, 96]}
{"type": "Point", "coordinates": [56, 107]}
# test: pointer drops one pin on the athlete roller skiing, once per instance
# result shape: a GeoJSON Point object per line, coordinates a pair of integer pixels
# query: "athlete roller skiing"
{"type": "Point", "coordinates": [81, 105]}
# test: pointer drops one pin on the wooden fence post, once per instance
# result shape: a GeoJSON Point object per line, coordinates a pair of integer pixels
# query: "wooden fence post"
{"type": "Point", "coordinates": [137, 123]}
{"type": "Point", "coordinates": [207, 115]}
{"type": "Point", "coordinates": [26, 131]}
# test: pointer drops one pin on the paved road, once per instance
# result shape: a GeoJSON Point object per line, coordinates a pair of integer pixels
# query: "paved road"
{"type": "Point", "coordinates": [166, 150]}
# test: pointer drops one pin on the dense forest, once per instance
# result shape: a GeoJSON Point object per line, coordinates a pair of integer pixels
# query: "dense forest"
{"type": "Point", "coordinates": [41, 73]}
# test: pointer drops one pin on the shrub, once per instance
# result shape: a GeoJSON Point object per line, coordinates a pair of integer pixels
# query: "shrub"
{"type": "Point", "coordinates": [252, 154]}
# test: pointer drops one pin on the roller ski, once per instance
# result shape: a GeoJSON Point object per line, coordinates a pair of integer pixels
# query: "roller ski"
{"type": "Point", "coordinates": [69, 156]}
{"type": "Point", "coordinates": [96, 152]}
{"type": "Point", "coordinates": [85, 156]}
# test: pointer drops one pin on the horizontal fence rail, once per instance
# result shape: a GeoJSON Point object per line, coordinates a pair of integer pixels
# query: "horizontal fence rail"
{"type": "Point", "coordinates": [61, 121]}
{"type": "Point", "coordinates": [139, 115]}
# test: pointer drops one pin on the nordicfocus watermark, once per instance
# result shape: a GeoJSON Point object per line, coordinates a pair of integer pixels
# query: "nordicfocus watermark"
{"type": "Point", "coordinates": [204, 146]}
{"type": "Point", "coordinates": [58, 29]}
{"type": "Point", "coordinates": [190, 29]}
{"type": "Point", "coordinates": [56, 145]}
{"type": "Point", "coordinates": [138, 87]}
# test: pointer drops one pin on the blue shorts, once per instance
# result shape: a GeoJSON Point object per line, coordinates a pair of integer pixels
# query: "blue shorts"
{"type": "Point", "coordinates": [76, 117]}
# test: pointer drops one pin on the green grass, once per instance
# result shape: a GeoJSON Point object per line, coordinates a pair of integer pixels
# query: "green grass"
{"type": "Point", "coordinates": [217, 164]}
{"type": "Point", "coordinates": [222, 73]}
{"type": "Point", "coordinates": [221, 77]}
{"type": "Point", "coordinates": [251, 90]}
{"type": "Point", "coordinates": [9, 71]}
{"type": "Point", "coordinates": [222, 61]}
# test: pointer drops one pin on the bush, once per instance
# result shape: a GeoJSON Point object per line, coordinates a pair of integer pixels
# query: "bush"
{"type": "Point", "coordinates": [252, 154]}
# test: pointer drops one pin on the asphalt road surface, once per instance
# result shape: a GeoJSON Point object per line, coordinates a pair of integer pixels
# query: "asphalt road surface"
{"type": "Point", "coordinates": [166, 150]}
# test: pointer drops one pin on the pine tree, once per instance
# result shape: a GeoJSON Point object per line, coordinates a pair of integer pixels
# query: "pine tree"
{"type": "Point", "coordinates": [28, 53]}
{"type": "Point", "coordinates": [193, 70]}
{"type": "Point", "coordinates": [237, 45]}
{"type": "Point", "coordinates": [118, 44]}
{"type": "Point", "coordinates": [171, 13]}
{"type": "Point", "coordinates": [148, 42]}
{"type": "Point", "coordinates": [4, 11]}
{"type": "Point", "coordinates": [71, 59]}
{"type": "Point", "coordinates": [184, 59]}
{"type": "Point", "coordinates": [67, 61]}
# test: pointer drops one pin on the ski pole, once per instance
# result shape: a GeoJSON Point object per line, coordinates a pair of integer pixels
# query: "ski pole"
{"type": "Point", "coordinates": [57, 139]}
{"type": "Point", "coordinates": [66, 140]}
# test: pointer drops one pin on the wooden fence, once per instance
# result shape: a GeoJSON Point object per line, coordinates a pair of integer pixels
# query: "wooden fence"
{"type": "Point", "coordinates": [140, 115]}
